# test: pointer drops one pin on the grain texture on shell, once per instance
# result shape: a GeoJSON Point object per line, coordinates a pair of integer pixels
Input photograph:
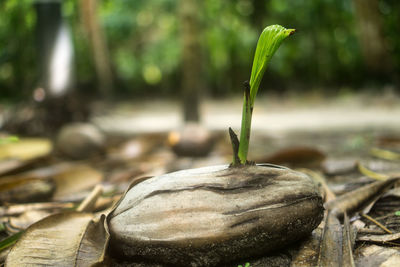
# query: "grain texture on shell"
{"type": "Point", "coordinates": [206, 216]}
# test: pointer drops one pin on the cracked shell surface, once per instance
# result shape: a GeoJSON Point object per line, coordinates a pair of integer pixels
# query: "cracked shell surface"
{"type": "Point", "coordinates": [212, 215]}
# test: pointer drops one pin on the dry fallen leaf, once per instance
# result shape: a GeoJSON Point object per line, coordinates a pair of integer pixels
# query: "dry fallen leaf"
{"type": "Point", "coordinates": [377, 256]}
{"type": "Point", "coordinates": [38, 185]}
{"type": "Point", "coordinates": [9, 165]}
{"type": "Point", "coordinates": [389, 141]}
{"type": "Point", "coordinates": [379, 238]}
{"type": "Point", "coordinates": [370, 173]}
{"type": "Point", "coordinates": [65, 239]}
{"type": "Point", "coordinates": [330, 253]}
{"type": "Point", "coordinates": [15, 224]}
{"type": "Point", "coordinates": [13, 210]}
{"type": "Point", "coordinates": [26, 149]}
{"type": "Point", "coordinates": [385, 154]}
{"type": "Point", "coordinates": [359, 198]}
{"type": "Point", "coordinates": [296, 156]}
{"type": "Point", "coordinates": [24, 190]}
{"type": "Point", "coordinates": [76, 179]}
{"type": "Point", "coordinates": [349, 235]}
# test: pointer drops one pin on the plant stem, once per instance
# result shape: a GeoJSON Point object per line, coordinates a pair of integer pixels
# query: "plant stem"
{"type": "Point", "coordinates": [246, 125]}
{"type": "Point", "coordinates": [9, 241]}
{"type": "Point", "coordinates": [269, 41]}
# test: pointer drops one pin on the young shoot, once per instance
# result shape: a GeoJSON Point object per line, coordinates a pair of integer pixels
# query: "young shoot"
{"type": "Point", "coordinates": [269, 41]}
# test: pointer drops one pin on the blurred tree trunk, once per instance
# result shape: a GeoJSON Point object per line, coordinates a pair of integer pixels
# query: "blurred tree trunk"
{"type": "Point", "coordinates": [97, 41]}
{"type": "Point", "coordinates": [192, 78]}
{"type": "Point", "coordinates": [55, 51]}
{"type": "Point", "coordinates": [259, 13]}
{"type": "Point", "coordinates": [372, 39]}
{"type": "Point", "coordinates": [54, 101]}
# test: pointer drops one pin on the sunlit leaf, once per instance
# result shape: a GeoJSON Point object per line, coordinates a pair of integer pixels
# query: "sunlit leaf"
{"type": "Point", "coordinates": [26, 148]}
{"type": "Point", "coordinates": [385, 154]}
{"type": "Point", "coordinates": [76, 179]}
{"type": "Point", "coordinates": [369, 173]}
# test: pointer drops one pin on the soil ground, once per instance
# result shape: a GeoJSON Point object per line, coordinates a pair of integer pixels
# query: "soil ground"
{"type": "Point", "coordinates": [272, 115]}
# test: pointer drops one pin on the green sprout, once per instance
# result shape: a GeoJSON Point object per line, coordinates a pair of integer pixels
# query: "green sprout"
{"type": "Point", "coordinates": [246, 265]}
{"type": "Point", "coordinates": [270, 40]}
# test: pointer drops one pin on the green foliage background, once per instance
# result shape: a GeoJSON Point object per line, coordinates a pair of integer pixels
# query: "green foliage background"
{"type": "Point", "coordinates": [145, 49]}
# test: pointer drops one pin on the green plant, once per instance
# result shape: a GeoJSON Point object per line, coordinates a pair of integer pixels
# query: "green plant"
{"type": "Point", "coordinates": [270, 40]}
{"type": "Point", "coordinates": [246, 265]}
{"type": "Point", "coordinates": [9, 241]}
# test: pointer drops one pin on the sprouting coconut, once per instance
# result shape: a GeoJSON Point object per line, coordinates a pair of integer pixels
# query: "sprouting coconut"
{"type": "Point", "coordinates": [213, 215]}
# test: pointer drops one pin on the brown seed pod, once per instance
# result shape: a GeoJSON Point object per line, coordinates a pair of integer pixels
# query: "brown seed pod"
{"type": "Point", "coordinates": [207, 216]}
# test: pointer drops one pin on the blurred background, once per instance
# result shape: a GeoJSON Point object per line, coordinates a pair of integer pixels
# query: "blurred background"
{"type": "Point", "coordinates": [95, 94]}
{"type": "Point", "coordinates": [188, 50]}
{"type": "Point", "coordinates": [339, 43]}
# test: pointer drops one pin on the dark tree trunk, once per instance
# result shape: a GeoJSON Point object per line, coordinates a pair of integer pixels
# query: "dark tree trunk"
{"type": "Point", "coordinates": [55, 102]}
{"type": "Point", "coordinates": [99, 46]}
{"type": "Point", "coordinates": [259, 13]}
{"type": "Point", "coordinates": [372, 39]}
{"type": "Point", "coordinates": [192, 78]}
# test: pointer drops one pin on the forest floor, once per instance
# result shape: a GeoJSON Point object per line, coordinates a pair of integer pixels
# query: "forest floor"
{"type": "Point", "coordinates": [349, 140]}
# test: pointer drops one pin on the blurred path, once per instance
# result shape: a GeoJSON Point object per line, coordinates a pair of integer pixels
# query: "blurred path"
{"type": "Point", "coordinates": [271, 114]}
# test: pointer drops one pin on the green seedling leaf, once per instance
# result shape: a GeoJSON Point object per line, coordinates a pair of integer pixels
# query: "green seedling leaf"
{"type": "Point", "coordinates": [397, 213]}
{"type": "Point", "coordinates": [270, 40]}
